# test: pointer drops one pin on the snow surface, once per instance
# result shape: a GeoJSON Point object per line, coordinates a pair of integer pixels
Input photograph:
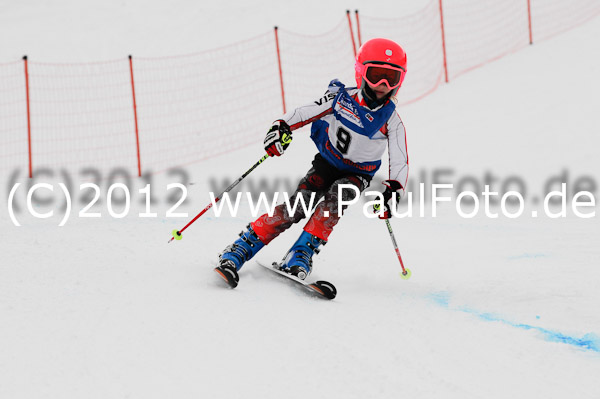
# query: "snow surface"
{"type": "Point", "coordinates": [496, 308]}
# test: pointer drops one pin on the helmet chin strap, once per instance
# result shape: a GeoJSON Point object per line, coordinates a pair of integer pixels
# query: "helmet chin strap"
{"type": "Point", "coordinates": [371, 97]}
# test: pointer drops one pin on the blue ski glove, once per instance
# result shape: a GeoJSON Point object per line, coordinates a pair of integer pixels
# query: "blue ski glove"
{"type": "Point", "coordinates": [278, 138]}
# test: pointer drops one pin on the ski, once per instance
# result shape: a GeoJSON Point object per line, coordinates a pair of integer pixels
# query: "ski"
{"type": "Point", "coordinates": [324, 289]}
{"type": "Point", "coordinates": [229, 274]}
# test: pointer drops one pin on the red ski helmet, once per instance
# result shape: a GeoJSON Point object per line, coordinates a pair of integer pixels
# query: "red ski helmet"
{"type": "Point", "coordinates": [380, 61]}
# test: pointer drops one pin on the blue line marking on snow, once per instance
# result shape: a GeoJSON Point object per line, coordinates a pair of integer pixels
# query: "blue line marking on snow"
{"type": "Point", "coordinates": [590, 341]}
{"type": "Point", "coordinates": [441, 298]}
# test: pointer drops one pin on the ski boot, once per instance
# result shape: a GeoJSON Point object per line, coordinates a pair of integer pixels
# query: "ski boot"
{"type": "Point", "coordinates": [235, 255]}
{"type": "Point", "coordinates": [298, 261]}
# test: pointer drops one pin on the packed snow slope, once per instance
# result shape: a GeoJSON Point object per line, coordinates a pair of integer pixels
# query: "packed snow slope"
{"type": "Point", "coordinates": [496, 307]}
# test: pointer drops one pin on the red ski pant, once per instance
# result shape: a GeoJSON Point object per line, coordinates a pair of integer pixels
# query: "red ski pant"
{"type": "Point", "coordinates": [323, 179]}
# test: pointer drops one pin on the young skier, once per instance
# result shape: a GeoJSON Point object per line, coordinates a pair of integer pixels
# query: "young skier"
{"type": "Point", "coordinates": [351, 127]}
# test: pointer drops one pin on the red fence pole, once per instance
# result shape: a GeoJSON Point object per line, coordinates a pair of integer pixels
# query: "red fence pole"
{"type": "Point", "coordinates": [351, 32]}
{"type": "Point", "coordinates": [529, 17]}
{"type": "Point", "coordinates": [137, 135]}
{"type": "Point", "coordinates": [443, 41]}
{"type": "Point", "coordinates": [280, 72]}
{"type": "Point", "coordinates": [28, 116]}
{"type": "Point", "coordinates": [358, 28]}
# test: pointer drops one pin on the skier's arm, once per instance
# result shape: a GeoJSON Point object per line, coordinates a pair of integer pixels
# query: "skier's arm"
{"type": "Point", "coordinates": [398, 154]}
{"type": "Point", "coordinates": [279, 136]}
{"type": "Point", "coordinates": [309, 113]}
{"type": "Point", "coordinates": [274, 140]}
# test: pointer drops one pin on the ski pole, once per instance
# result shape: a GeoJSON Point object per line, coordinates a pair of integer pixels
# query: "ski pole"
{"type": "Point", "coordinates": [285, 139]}
{"type": "Point", "coordinates": [406, 273]}
{"type": "Point", "coordinates": [177, 233]}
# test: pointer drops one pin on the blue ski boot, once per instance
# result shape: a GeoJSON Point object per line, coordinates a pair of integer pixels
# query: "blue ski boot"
{"type": "Point", "coordinates": [298, 261]}
{"type": "Point", "coordinates": [235, 255]}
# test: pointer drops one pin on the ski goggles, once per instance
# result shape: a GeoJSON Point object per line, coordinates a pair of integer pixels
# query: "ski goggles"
{"type": "Point", "coordinates": [376, 74]}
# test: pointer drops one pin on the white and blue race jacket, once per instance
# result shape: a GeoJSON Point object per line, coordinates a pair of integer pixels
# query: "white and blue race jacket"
{"type": "Point", "coordinates": [351, 136]}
